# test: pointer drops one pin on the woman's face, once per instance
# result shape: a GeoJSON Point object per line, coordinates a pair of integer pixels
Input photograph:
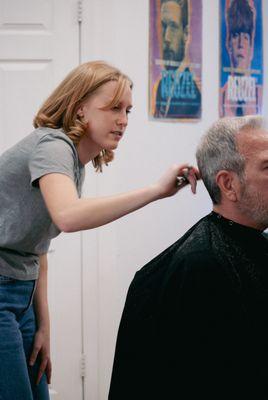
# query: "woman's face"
{"type": "Point", "coordinates": [106, 127]}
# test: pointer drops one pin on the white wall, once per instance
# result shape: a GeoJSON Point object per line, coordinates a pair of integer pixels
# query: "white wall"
{"type": "Point", "coordinates": [117, 31]}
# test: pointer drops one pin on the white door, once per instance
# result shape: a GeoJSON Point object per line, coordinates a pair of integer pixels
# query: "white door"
{"type": "Point", "coordinates": [39, 44]}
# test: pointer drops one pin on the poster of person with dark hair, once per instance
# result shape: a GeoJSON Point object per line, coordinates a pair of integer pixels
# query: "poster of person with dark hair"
{"type": "Point", "coordinates": [175, 49]}
{"type": "Point", "coordinates": [241, 61]}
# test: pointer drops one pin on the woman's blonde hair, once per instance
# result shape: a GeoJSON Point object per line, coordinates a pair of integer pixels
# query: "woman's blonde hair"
{"type": "Point", "coordinates": [60, 109]}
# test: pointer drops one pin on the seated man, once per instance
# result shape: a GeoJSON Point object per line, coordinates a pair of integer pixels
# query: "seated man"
{"type": "Point", "coordinates": [195, 322]}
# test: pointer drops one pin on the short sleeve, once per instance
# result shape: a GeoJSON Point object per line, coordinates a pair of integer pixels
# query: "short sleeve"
{"type": "Point", "coordinates": [52, 154]}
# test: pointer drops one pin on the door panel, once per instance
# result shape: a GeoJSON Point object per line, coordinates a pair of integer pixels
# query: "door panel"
{"type": "Point", "coordinates": [38, 46]}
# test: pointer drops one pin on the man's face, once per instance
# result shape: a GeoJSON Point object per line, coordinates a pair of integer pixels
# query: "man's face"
{"type": "Point", "coordinates": [172, 32]}
{"type": "Point", "coordinates": [253, 202]}
{"type": "Point", "coordinates": [240, 50]}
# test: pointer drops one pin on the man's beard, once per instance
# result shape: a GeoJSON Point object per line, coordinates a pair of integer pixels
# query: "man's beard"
{"type": "Point", "coordinates": [171, 55]}
{"type": "Point", "coordinates": [253, 205]}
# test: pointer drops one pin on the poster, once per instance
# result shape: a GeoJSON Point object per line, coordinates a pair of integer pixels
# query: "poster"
{"type": "Point", "coordinates": [241, 58]}
{"type": "Point", "coordinates": [175, 53]}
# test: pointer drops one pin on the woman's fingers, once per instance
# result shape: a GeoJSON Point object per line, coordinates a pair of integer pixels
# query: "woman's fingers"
{"type": "Point", "coordinates": [192, 177]}
{"type": "Point", "coordinates": [192, 180]}
{"type": "Point", "coordinates": [41, 352]}
{"type": "Point", "coordinates": [42, 369]}
{"type": "Point", "coordinates": [49, 371]}
{"type": "Point", "coordinates": [34, 355]}
{"type": "Point", "coordinates": [189, 175]}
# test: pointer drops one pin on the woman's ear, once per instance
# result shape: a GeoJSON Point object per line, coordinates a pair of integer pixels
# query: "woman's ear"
{"type": "Point", "coordinates": [228, 184]}
{"type": "Point", "coordinates": [80, 112]}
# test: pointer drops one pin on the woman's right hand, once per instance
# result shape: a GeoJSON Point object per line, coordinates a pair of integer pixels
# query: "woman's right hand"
{"type": "Point", "coordinates": [167, 185]}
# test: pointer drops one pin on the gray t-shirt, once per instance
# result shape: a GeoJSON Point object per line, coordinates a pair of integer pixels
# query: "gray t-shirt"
{"type": "Point", "coordinates": [25, 225]}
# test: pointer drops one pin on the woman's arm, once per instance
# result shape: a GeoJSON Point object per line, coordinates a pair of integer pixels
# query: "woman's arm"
{"type": "Point", "coordinates": [41, 347]}
{"type": "Point", "coordinates": [72, 214]}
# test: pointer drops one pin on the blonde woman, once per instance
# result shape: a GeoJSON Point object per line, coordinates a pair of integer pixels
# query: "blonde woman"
{"type": "Point", "coordinates": [41, 177]}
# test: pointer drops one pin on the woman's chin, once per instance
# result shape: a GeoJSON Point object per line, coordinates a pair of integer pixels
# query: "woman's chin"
{"type": "Point", "coordinates": [111, 146]}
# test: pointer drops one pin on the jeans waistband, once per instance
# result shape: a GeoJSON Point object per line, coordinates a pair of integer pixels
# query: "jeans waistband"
{"type": "Point", "coordinates": [4, 279]}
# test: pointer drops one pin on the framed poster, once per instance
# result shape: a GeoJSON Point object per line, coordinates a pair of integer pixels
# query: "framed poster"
{"type": "Point", "coordinates": [175, 53]}
{"type": "Point", "coordinates": [241, 58]}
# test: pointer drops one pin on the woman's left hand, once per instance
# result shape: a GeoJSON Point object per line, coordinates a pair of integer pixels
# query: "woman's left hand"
{"type": "Point", "coordinates": [41, 349]}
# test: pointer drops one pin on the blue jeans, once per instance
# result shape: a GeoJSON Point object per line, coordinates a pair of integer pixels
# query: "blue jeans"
{"type": "Point", "coordinates": [17, 330]}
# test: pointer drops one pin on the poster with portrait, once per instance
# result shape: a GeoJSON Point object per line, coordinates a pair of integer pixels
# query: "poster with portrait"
{"type": "Point", "coordinates": [241, 57]}
{"type": "Point", "coordinates": [175, 54]}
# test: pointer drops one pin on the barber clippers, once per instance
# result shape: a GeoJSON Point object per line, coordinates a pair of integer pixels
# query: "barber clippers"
{"type": "Point", "coordinates": [184, 178]}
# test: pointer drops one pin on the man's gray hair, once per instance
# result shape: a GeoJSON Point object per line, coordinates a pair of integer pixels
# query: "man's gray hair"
{"type": "Point", "coordinates": [218, 150]}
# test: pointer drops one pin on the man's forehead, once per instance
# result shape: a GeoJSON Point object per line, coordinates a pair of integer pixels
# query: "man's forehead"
{"type": "Point", "coordinates": [251, 141]}
{"type": "Point", "coordinates": [171, 9]}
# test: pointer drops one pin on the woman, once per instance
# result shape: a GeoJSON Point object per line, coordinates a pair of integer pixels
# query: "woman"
{"type": "Point", "coordinates": [41, 178]}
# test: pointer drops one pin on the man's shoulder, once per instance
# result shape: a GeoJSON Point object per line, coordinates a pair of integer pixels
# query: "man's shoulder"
{"type": "Point", "coordinates": [191, 263]}
{"type": "Point", "coordinates": [198, 242]}
{"type": "Point", "coordinates": [194, 249]}
{"type": "Point", "coordinates": [197, 251]}
{"type": "Point", "coordinates": [198, 239]}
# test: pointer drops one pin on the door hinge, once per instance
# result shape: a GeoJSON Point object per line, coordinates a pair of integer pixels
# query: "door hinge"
{"type": "Point", "coordinates": [80, 11]}
{"type": "Point", "coordinates": [83, 366]}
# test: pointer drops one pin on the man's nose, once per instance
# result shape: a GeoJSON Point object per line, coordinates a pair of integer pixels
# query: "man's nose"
{"type": "Point", "coordinates": [167, 37]}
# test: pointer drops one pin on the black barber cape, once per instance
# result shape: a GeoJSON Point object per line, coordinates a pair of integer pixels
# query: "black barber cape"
{"type": "Point", "coordinates": [195, 321]}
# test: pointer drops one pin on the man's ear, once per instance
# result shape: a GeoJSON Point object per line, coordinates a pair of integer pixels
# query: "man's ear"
{"type": "Point", "coordinates": [185, 34]}
{"type": "Point", "coordinates": [227, 182]}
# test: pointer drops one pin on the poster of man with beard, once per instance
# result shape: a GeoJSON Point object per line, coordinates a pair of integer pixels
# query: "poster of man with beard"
{"type": "Point", "coordinates": [175, 47]}
{"type": "Point", "coordinates": [241, 67]}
